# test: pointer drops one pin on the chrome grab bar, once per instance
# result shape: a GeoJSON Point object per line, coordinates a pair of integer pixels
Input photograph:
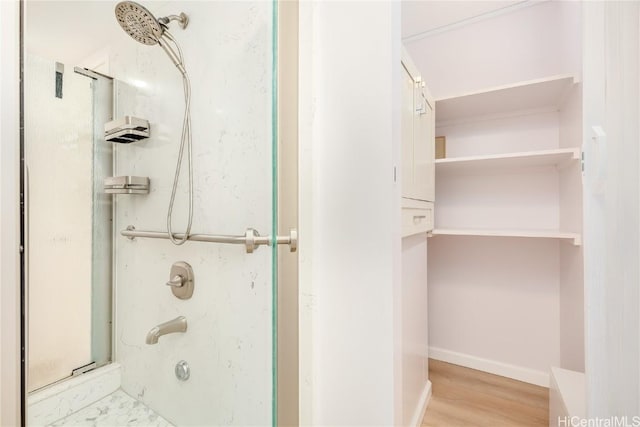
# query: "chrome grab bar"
{"type": "Point", "coordinates": [251, 239]}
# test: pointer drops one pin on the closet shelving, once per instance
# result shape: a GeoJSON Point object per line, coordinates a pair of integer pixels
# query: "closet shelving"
{"type": "Point", "coordinates": [506, 248]}
{"type": "Point", "coordinates": [492, 105]}
{"type": "Point", "coordinates": [546, 94]}
{"type": "Point", "coordinates": [575, 238]}
{"type": "Point", "coordinates": [557, 157]}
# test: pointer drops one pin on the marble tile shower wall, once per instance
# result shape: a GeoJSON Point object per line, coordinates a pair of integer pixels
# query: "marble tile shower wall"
{"type": "Point", "coordinates": [228, 54]}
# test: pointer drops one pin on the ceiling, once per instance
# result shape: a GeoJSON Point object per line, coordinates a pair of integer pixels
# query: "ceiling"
{"type": "Point", "coordinates": [419, 16]}
{"type": "Point", "coordinates": [69, 31]}
{"type": "Point", "coordinates": [61, 30]}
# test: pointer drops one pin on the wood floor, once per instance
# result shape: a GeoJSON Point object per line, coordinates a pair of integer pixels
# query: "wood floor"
{"type": "Point", "coordinates": [466, 397]}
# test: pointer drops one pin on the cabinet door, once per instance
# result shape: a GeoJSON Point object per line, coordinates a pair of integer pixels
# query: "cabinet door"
{"type": "Point", "coordinates": [408, 113]}
{"type": "Point", "coordinates": [424, 147]}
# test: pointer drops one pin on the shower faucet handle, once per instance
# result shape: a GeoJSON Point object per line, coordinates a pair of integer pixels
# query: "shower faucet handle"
{"type": "Point", "coordinates": [176, 281]}
{"type": "Point", "coordinates": [181, 280]}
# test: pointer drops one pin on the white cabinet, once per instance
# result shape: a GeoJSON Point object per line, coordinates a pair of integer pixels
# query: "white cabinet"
{"type": "Point", "coordinates": [418, 151]}
{"type": "Point", "coordinates": [417, 174]}
{"type": "Point", "coordinates": [417, 217]}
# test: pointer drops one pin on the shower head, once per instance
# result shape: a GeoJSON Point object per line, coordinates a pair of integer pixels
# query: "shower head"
{"type": "Point", "coordinates": [143, 27]}
{"type": "Point", "coordinates": [138, 22]}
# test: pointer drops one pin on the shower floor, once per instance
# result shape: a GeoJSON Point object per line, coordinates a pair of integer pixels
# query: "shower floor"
{"type": "Point", "coordinates": [116, 409]}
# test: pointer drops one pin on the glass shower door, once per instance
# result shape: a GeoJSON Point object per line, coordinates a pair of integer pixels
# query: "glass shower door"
{"type": "Point", "coordinates": [59, 154]}
{"type": "Point", "coordinates": [208, 359]}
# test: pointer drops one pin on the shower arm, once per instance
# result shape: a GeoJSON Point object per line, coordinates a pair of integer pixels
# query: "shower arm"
{"type": "Point", "coordinates": [182, 20]}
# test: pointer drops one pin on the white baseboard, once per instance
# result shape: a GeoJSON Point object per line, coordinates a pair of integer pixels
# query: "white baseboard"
{"type": "Point", "coordinates": [519, 373]}
{"type": "Point", "coordinates": [418, 415]}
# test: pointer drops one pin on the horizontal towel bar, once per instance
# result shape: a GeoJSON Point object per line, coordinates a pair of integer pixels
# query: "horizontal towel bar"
{"type": "Point", "coordinates": [251, 239]}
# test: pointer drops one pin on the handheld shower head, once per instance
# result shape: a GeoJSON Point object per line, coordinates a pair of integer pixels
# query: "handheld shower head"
{"type": "Point", "coordinates": [171, 53]}
{"type": "Point", "coordinates": [144, 28]}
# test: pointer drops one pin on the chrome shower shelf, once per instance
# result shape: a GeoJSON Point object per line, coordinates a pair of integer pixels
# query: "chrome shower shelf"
{"type": "Point", "coordinates": [126, 129]}
{"type": "Point", "coordinates": [126, 185]}
{"type": "Point", "coordinates": [251, 239]}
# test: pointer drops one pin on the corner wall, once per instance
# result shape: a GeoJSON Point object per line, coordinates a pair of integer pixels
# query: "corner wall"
{"type": "Point", "coordinates": [350, 213]}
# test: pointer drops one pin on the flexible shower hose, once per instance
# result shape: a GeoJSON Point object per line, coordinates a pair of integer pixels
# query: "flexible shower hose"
{"type": "Point", "coordinates": [185, 140]}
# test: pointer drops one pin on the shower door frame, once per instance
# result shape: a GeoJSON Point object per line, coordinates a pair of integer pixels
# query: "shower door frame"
{"type": "Point", "coordinates": [287, 323]}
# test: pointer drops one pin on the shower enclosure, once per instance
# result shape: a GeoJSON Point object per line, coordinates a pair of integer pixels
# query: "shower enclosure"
{"type": "Point", "coordinates": [123, 327]}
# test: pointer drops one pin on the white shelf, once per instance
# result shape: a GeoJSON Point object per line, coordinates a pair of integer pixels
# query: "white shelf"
{"type": "Point", "coordinates": [544, 234]}
{"type": "Point", "coordinates": [556, 158]}
{"type": "Point", "coordinates": [530, 96]}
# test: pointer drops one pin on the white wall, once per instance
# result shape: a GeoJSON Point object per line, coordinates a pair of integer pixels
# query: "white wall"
{"type": "Point", "coordinates": [537, 41]}
{"type": "Point", "coordinates": [493, 304]}
{"type": "Point", "coordinates": [9, 222]}
{"type": "Point", "coordinates": [350, 213]}
{"type": "Point", "coordinates": [227, 48]}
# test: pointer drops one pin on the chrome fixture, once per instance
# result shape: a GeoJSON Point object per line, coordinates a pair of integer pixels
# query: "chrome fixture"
{"type": "Point", "coordinates": [182, 19]}
{"type": "Point", "coordinates": [179, 324]}
{"type": "Point", "coordinates": [183, 372]}
{"type": "Point", "coordinates": [181, 280]}
{"type": "Point", "coordinates": [126, 185]}
{"type": "Point", "coordinates": [143, 27]}
{"type": "Point", "coordinates": [126, 130]}
{"type": "Point", "coordinates": [251, 239]}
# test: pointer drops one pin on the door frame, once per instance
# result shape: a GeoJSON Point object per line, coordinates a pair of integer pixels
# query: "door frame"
{"type": "Point", "coordinates": [11, 391]}
{"type": "Point", "coordinates": [287, 303]}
